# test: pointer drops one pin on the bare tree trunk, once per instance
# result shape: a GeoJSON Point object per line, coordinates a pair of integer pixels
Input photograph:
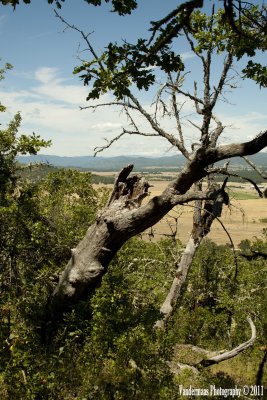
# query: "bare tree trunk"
{"type": "Point", "coordinates": [202, 222]}
{"type": "Point", "coordinates": [178, 281]}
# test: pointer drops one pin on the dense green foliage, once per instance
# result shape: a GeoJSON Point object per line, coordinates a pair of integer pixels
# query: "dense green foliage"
{"type": "Point", "coordinates": [107, 347]}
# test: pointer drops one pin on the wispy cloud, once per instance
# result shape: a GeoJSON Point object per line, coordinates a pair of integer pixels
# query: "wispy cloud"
{"type": "Point", "coordinates": [41, 35]}
{"type": "Point", "coordinates": [46, 75]}
{"type": "Point", "coordinates": [106, 126]}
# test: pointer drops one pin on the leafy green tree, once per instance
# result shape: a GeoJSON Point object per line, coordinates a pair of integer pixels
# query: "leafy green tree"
{"type": "Point", "coordinates": [35, 217]}
{"type": "Point", "coordinates": [12, 145]}
{"type": "Point", "coordinates": [15, 208]}
{"type": "Point", "coordinates": [11, 193]}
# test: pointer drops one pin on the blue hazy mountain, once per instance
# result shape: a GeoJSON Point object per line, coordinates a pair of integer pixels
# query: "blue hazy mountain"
{"type": "Point", "coordinates": [140, 163]}
{"type": "Point", "coordinates": [105, 163]}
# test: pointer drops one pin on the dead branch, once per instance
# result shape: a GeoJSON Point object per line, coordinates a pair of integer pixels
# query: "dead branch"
{"type": "Point", "coordinates": [191, 43]}
{"type": "Point", "coordinates": [235, 149]}
{"type": "Point", "coordinates": [223, 171]}
{"type": "Point", "coordinates": [197, 102]}
{"type": "Point", "coordinates": [211, 357]}
{"type": "Point", "coordinates": [195, 126]}
{"type": "Point", "coordinates": [186, 94]}
{"type": "Point", "coordinates": [202, 221]}
{"type": "Point", "coordinates": [161, 132]}
{"type": "Point", "coordinates": [226, 66]}
{"type": "Point", "coordinates": [217, 131]}
{"type": "Point", "coordinates": [249, 162]}
{"type": "Point", "coordinates": [99, 149]}
{"type": "Point", "coordinates": [112, 103]}
{"type": "Point", "coordinates": [231, 353]}
{"type": "Point", "coordinates": [126, 217]}
{"type": "Point", "coordinates": [177, 111]}
{"type": "Point", "coordinates": [84, 36]}
{"type": "Point", "coordinates": [160, 101]}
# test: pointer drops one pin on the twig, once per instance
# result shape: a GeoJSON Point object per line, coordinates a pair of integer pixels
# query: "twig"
{"type": "Point", "coordinates": [84, 36]}
{"type": "Point", "coordinates": [99, 149]}
{"type": "Point", "coordinates": [254, 167]}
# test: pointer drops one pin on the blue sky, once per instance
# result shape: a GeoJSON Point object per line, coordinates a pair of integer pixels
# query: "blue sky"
{"type": "Point", "coordinates": [42, 86]}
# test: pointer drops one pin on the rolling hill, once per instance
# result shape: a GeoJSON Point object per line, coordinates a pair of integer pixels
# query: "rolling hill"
{"type": "Point", "coordinates": [141, 163]}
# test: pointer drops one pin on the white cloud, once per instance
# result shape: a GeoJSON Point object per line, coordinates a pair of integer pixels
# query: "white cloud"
{"type": "Point", "coordinates": [53, 87]}
{"type": "Point", "coordinates": [50, 107]}
{"type": "Point", "coordinates": [46, 75]}
{"type": "Point", "coordinates": [106, 126]}
{"type": "Point", "coordinates": [187, 55]}
{"type": "Point", "coordinates": [243, 127]}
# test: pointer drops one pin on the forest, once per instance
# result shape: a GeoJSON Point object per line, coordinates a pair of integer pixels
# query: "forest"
{"type": "Point", "coordinates": [90, 307]}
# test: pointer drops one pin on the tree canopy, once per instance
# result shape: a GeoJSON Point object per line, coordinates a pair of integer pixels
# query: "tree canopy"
{"type": "Point", "coordinates": [120, 66]}
{"type": "Point", "coordinates": [247, 23]}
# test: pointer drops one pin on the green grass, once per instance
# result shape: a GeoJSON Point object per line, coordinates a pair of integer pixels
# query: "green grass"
{"type": "Point", "coordinates": [243, 195]}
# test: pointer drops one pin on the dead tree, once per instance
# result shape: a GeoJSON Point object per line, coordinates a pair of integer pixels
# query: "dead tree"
{"type": "Point", "coordinates": [125, 215]}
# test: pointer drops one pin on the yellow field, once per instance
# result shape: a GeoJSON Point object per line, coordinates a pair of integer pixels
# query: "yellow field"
{"type": "Point", "coordinates": [241, 218]}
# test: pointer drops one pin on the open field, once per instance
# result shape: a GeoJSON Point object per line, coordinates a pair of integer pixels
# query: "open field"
{"type": "Point", "coordinates": [242, 219]}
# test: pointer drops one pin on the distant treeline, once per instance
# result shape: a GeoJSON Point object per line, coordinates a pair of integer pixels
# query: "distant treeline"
{"type": "Point", "coordinates": [36, 172]}
{"type": "Point", "coordinates": [103, 179]}
{"type": "Point", "coordinates": [249, 174]}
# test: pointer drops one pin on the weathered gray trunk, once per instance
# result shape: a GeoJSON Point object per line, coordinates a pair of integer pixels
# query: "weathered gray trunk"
{"type": "Point", "coordinates": [122, 218]}
{"type": "Point", "coordinates": [178, 281]}
{"type": "Point", "coordinates": [202, 222]}
{"type": "Point", "coordinates": [86, 267]}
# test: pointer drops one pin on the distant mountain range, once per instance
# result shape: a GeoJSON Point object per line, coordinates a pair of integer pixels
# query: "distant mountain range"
{"type": "Point", "coordinates": [140, 163]}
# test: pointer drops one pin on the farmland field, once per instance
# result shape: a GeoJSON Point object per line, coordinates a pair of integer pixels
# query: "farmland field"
{"type": "Point", "coordinates": [243, 219]}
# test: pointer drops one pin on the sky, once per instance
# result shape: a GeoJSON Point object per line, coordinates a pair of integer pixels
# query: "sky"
{"type": "Point", "coordinates": [43, 88]}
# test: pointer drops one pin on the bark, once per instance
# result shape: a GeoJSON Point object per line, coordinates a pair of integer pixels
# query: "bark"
{"type": "Point", "coordinates": [125, 216]}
